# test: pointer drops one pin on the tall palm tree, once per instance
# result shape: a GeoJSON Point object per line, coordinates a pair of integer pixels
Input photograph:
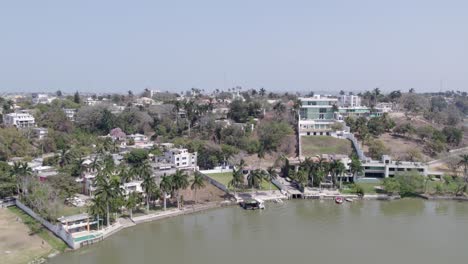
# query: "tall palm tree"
{"type": "Point", "coordinates": [301, 178]}
{"type": "Point", "coordinates": [166, 187]}
{"type": "Point", "coordinates": [355, 166]}
{"type": "Point", "coordinates": [279, 108]}
{"type": "Point", "coordinates": [310, 167]}
{"type": "Point", "coordinates": [132, 201]}
{"type": "Point", "coordinates": [180, 181]}
{"type": "Point", "coordinates": [149, 184]}
{"type": "Point", "coordinates": [66, 157]}
{"type": "Point", "coordinates": [464, 162]}
{"type": "Point", "coordinates": [237, 179]}
{"type": "Point", "coordinates": [255, 178]}
{"type": "Point", "coordinates": [18, 172]}
{"type": "Point", "coordinates": [339, 169]}
{"type": "Point", "coordinates": [98, 207]}
{"type": "Point", "coordinates": [271, 175]}
{"type": "Point", "coordinates": [198, 182]}
{"type": "Point", "coordinates": [108, 189]}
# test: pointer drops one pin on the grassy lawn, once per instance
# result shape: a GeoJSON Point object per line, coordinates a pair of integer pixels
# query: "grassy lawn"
{"type": "Point", "coordinates": [369, 188]}
{"type": "Point", "coordinates": [316, 145]}
{"type": "Point", "coordinates": [71, 210]}
{"type": "Point", "coordinates": [41, 231]}
{"type": "Point", "coordinates": [225, 177]}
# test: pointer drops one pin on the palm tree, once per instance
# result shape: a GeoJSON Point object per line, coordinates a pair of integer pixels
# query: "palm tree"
{"type": "Point", "coordinates": [279, 108]}
{"type": "Point", "coordinates": [310, 167]}
{"type": "Point", "coordinates": [98, 207]}
{"type": "Point", "coordinates": [262, 92]}
{"type": "Point", "coordinates": [148, 184]}
{"type": "Point", "coordinates": [66, 157]}
{"type": "Point", "coordinates": [271, 175]}
{"type": "Point", "coordinates": [18, 171]}
{"type": "Point", "coordinates": [132, 201]}
{"type": "Point", "coordinates": [237, 179]}
{"type": "Point", "coordinates": [198, 182]}
{"type": "Point", "coordinates": [339, 169]}
{"type": "Point", "coordinates": [301, 178]}
{"type": "Point", "coordinates": [108, 189]}
{"type": "Point", "coordinates": [464, 162]}
{"type": "Point", "coordinates": [255, 178]}
{"type": "Point", "coordinates": [355, 166]}
{"type": "Point", "coordinates": [180, 181]}
{"type": "Point", "coordinates": [165, 186]}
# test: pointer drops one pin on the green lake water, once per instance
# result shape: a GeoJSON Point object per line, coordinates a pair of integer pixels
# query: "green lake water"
{"type": "Point", "coordinates": [303, 231]}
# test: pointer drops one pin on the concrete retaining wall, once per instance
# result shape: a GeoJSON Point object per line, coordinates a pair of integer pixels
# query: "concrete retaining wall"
{"type": "Point", "coordinates": [56, 229]}
{"type": "Point", "coordinates": [215, 183]}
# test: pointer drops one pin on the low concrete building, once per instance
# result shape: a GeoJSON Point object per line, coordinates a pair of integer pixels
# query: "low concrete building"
{"type": "Point", "coordinates": [19, 120]}
{"type": "Point", "coordinates": [388, 168]}
{"type": "Point", "coordinates": [77, 223]}
{"type": "Point", "coordinates": [40, 132]}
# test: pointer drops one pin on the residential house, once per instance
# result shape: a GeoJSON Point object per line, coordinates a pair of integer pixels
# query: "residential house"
{"type": "Point", "coordinates": [40, 132]}
{"type": "Point", "coordinates": [316, 115]}
{"type": "Point", "coordinates": [19, 120]}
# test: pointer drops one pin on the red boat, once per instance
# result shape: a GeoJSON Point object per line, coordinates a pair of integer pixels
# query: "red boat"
{"type": "Point", "coordinates": [339, 200]}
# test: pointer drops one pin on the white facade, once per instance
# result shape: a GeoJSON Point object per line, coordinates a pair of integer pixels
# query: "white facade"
{"type": "Point", "coordinates": [181, 158]}
{"type": "Point", "coordinates": [316, 115]}
{"type": "Point", "coordinates": [40, 132]}
{"type": "Point", "coordinates": [138, 138]}
{"type": "Point", "coordinates": [70, 113]}
{"type": "Point", "coordinates": [19, 120]}
{"type": "Point", "coordinates": [350, 100]}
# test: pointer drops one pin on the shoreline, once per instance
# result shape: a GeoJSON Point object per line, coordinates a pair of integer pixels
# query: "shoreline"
{"type": "Point", "coordinates": [131, 222]}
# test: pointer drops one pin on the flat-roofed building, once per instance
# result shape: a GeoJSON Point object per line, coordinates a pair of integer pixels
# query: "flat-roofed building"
{"type": "Point", "coordinates": [316, 115]}
{"type": "Point", "coordinates": [19, 120]}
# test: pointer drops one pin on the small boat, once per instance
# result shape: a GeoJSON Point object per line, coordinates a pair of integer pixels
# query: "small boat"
{"type": "Point", "coordinates": [339, 200]}
{"type": "Point", "coordinates": [252, 204]}
{"type": "Point", "coordinates": [349, 200]}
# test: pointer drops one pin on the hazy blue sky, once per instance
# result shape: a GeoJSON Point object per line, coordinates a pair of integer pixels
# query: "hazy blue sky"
{"type": "Point", "coordinates": [105, 46]}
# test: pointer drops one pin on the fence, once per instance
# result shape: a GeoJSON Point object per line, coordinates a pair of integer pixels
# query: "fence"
{"type": "Point", "coordinates": [56, 229]}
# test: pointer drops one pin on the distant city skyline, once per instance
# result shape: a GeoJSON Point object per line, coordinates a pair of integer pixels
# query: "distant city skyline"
{"type": "Point", "coordinates": [115, 46]}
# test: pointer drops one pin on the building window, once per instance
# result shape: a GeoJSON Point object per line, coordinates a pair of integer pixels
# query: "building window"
{"type": "Point", "coordinates": [322, 110]}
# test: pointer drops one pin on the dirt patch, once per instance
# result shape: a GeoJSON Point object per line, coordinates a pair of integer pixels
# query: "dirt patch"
{"type": "Point", "coordinates": [399, 146]}
{"type": "Point", "coordinates": [209, 193]}
{"type": "Point", "coordinates": [16, 245]}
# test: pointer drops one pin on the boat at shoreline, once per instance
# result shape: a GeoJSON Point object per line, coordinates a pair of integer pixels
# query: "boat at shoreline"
{"type": "Point", "coordinates": [252, 204]}
{"type": "Point", "coordinates": [339, 200]}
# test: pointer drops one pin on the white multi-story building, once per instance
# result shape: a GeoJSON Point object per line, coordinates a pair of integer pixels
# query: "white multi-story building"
{"type": "Point", "coordinates": [19, 120]}
{"type": "Point", "coordinates": [350, 100]}
{"type": "Point", "coordinates": [181, 158]}
{"type": "Point", "coordinates": [316, 115]}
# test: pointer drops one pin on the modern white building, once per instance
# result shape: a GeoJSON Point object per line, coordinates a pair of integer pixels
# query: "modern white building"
{"type": "Point", "coordinates": [19, 120]}
{"type": "Point", "coordinates": [349, 100]}
{"type": "Point", "coordinates": [388, 168]}
{"type": "Point", "coordinates": [181, 158]}
{"type": "Point", "coordinates": [316, 115]}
